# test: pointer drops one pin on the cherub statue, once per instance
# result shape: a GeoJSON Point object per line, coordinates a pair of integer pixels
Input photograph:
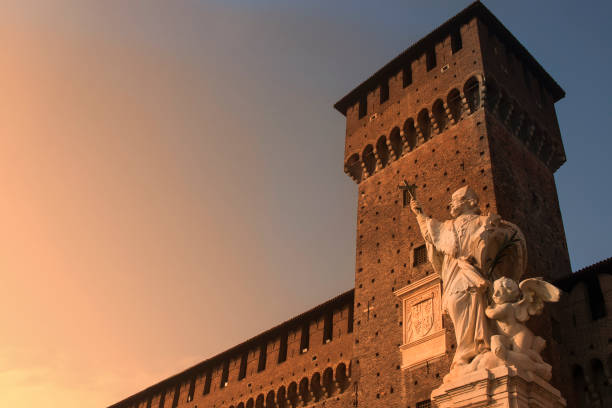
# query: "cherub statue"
{"type": "Point", "coordinates": [513, 304]}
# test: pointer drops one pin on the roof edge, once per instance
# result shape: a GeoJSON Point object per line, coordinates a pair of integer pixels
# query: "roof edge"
{"type": "Point", "coordinates": [201, 366]}
{"type": "Point", "coordinates": [476, 9]}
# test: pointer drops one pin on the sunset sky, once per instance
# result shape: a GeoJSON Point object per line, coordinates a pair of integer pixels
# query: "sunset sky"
{"type": "Point", "coordinates": [171, 171]}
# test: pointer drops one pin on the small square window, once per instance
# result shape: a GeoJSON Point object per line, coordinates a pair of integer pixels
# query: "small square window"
{"type": "Point", "coordinates": [424, 404]}
{"type": "Point", "coordinates": [420, 255]}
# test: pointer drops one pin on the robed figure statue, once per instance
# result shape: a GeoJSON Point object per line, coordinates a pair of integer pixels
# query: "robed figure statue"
{"type": "Point", "coordinates": [470, 251]}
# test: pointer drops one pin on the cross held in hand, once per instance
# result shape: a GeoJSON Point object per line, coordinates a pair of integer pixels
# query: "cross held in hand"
{"type": "Point", "coordinates": [408, 192]}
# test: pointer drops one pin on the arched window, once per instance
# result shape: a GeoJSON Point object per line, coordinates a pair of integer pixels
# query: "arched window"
{"type": "Point", "coordinates": [455, 104]}
{"type": "Point", "coordinates": [369, 160]}
{"type": "Point", "coordinates": [270, 402]}
{"type": "Point", "coordinates": [439, 114]}
{"type": "Point", "coordinates": [259, 402]}
{"type": "Point", "coordinates": [353, 167]}
{"type": "Point", "coordinates": [383, 151]}
{"type": "Point", "coordinates": [328, 382]}
{"type": "Point", "coordinates": [424, 124]}
{"type": "Point", "coordinates": [580, 387]}
{"type": "Point", "coordinates": [410, 133]}
{"type": "Point", "coordinates": [250, 403]}
{"type": "Point", "coordinates": [241, 405]}
{"type": "Point", "coordinates": [471, 90]}
{"type": "Point", "coordinates": [304, 391]}
{"type": "Point", "coordinates": [315, 386]}
{"type": "Point", "coordinates": [292, 394]}
{"type": "Point", "coordinates": [395, 140]}
{"type": "Point", "coordinates": [341, 377]}
{"type": "Point", "coordinates": [281, 398]}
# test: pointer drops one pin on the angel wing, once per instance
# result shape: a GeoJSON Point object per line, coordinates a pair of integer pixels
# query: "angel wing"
{"type": "Point", "coordinates": [535, 292]}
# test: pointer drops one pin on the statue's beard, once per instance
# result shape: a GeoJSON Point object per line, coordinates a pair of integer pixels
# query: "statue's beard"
{"type": "Point", "coordinates": [463, 209]}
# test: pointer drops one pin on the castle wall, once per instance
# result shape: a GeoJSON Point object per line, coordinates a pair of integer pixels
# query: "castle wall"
{"type": "Point", "coordinates": [313, 369]}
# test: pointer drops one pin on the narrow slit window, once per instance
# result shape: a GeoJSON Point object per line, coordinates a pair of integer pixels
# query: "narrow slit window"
{"type": "Point", "coordinates": [149, 402]}
{"type": "Point", "coordinates": [420, 255]}
{"type": "Point", "coordinates": [431, 58]}
{"type": "Point", "coordinates": [191, 390]}
{"type": "Point", "coordinates": [207, 382]}
{"type": "Point", "coordinates": [224, 374]}
{"type": "Point", "coordinates": [328, 327]}
{"type": "Point", "coordinates": [407, 75]}
{"type": "Point", "coordinates": [177, 393]}
{"type": "Point", "coordinates": [305, 339]}
{"type": "Point", "coordinates": [282, 352]}
{"type": "Point", "coordinates": [456, 43]}
{"type": "Point", "coordinates": [263, 356]}
{"type": "Point", "coordinates": [384, 92]}
{"type": "Point", "coordinates": [162, 399]}
{"type": "Point", "coordinates": [363, 106]}
{"type": "Point", "coordinates": [243, 366]}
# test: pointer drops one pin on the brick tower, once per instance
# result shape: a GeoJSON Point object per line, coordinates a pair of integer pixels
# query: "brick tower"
{"type": "Point", "coordinates": [467, 104]}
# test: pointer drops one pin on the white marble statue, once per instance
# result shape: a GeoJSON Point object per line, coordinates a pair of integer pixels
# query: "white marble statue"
{"type": "Point", "coordinates": [469, 252]}
{"type": "Point", "coordinates": [512, 305]}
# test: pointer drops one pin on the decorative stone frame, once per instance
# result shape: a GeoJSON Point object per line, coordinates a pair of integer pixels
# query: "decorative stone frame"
{"type": "Point", "coordinates": [424, 337]}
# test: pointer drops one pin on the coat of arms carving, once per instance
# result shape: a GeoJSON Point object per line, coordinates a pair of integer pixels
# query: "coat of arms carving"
{"type": "Point", "coordinates": [424, 336]}
{"type": "Point", "coordinates": [422, 318]}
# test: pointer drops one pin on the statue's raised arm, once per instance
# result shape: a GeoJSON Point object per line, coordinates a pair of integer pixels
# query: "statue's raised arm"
{"type": "Point", "coordinates": [470, 251]}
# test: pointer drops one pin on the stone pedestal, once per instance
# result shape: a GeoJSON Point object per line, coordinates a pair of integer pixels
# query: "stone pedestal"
{"type": "Point", "coordinates": [498, 387]}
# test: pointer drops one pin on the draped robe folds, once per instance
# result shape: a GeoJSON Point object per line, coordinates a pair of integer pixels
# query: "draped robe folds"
{"type": "Point", "coordinates": [455, 248]}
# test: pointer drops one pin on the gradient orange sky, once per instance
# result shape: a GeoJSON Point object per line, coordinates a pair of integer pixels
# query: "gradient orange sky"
{"type": "Point", "coordinates": [172, 178]}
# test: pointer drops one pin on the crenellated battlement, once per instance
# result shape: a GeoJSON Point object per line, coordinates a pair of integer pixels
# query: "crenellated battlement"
{"type": "Point", "coordinates": [305, 359]}
{"type": "Point", "coordinates": [439, 81]}
{"type": "Point", "coordinates": [443, 115]}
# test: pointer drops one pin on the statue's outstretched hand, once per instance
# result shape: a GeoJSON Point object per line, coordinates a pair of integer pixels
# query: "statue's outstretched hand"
{"type": "Point", "coordinates": [415, 206]}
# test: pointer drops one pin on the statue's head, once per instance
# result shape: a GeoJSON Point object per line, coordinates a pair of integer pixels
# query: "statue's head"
{"type": "Point", "coordinates": [464, 201]}
{"type": "Point", "coordinates": [505, 290]}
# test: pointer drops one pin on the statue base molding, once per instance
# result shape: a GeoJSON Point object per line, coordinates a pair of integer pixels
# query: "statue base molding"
{"type": "Point", "coordinates": [499, 387]}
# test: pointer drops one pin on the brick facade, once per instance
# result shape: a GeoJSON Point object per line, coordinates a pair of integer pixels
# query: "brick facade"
{"type": "Point", "coordinates": [467, 104]}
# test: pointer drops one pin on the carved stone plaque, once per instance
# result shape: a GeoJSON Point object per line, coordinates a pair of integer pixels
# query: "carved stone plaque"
{"type": "Point", "coordinates": [421, 317]}
{"type": "Point", "coordinates": [424, 337]}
